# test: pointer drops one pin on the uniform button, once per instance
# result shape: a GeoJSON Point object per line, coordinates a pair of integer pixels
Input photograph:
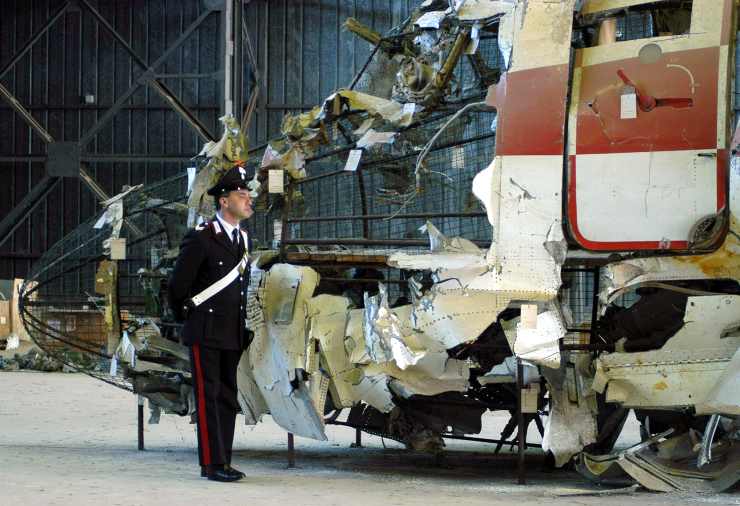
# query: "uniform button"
{"type": "Point", "coordinates": [210, 310]}
{"type": "Point", "coordinates": [220, 263]}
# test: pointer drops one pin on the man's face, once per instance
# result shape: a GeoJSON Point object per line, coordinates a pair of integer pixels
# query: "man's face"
{"type": "Point", "coordinates": [238, 203]}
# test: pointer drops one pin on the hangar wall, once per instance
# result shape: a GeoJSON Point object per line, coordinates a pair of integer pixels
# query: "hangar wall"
{"type": "Point", "coordinates": [301, 49]}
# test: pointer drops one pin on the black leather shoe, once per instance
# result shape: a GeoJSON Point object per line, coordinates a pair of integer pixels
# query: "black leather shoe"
{"type": "Point", "coordinates": [235, 472]}
{"type": "Point", "coordinates": [203, 472]}
{"type": "Point", "coordinates": [221, 473]}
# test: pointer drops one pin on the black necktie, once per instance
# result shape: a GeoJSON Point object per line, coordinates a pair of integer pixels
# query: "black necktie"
{"type": "Point", "coordinates": [235, 237]}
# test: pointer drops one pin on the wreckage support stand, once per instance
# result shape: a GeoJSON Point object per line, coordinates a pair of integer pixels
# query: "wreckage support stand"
{"type": "Point", "coordinates": [291, 451]}
{"type": "Point", "coordinates": [358, 439]}
{"type": "Point", "coordinates": [521, 479]}
{"type": "Point", "coordinates": [140, 421]}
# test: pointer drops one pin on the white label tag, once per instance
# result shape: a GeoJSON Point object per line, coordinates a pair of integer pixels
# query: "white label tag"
{"type": "Point", "coordinates": [529, 316]}
{"type": "Point", "coordinates": [277, 230]}
{"type": "Point", "coordinates": [275, 181]}
{"type": "Point", "coordinates": [353, 160]}
{"type": "Point", "coordinates": [118, 249]}
{"type": "Point", "coordinates": [629, 106]}
{"type": "Point", "coordinates": [530, 395]}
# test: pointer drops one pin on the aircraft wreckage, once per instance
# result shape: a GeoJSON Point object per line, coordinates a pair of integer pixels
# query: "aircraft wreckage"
{"type": "Point", "coordinates": [613, 176]}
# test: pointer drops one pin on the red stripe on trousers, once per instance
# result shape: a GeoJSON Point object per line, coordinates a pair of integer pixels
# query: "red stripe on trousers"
{"type": "Point", "coordinates": [202, 423]}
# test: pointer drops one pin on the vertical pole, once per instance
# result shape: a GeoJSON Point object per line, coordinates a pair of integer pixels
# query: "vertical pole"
{"type": "Point", "coordinates": [288, 196]}
{"type": "Point", "coordinates": [363, 202]}
{"type": "Point", "coordinates": [229, 57]}
{"type": "Point", "coordinates": [291, 451]}
{"type": "Point", "coordinates": [238, 72]}
{"type": "Point", "coordinates": [140, 422]}
{"type": "Point", "coordinates": [358, 439]}
{"type": "Point", "coordinates": [595, 301]}
{"type": "Point", "coordinates": [520, 419]}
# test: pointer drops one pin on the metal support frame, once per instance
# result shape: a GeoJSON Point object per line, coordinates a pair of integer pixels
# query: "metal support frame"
{"type": "Point", "coordinates": [371, 217]}
{"type": "Point", "coordinates": [521, 433]}
{"type": "Point", "coordinates": [291, 451]}
{"type": "Point", "coordinates": [366, 242]}
{"type": "Point", "coordinates": [140, 421]}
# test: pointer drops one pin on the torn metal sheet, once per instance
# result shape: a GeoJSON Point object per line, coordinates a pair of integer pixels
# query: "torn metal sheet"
{"type": "Point", "coordinates": [389, 110]}
{"type": "Point", "coordinates": [371, 138]}
{"type": "Point", "coordinates": [277, 352]}
{"type": "Point", "coordinates": [438, 242]}
{"type": "Point", "coordinates": [667, 463]}
{"type": "Point", "coordinates": [354, 341]}
{"type": "Point", "coordinates": [328, 321]}
{"type": "Point", "coordinates": [684, 371]}
{"type": "Point", "coordinates": [413, 381]}
{"type": "Point", "coordinates": [506, 371]}
{"type": "Point", "coordinates": [373, 389]}
{"type": "Point", "coordinates": [456, 316]}
{"type": "Point", "coordinates": [384, 333]}
{"type": "Point", "coordinates": [251, 402]}
{"type": "Point", "coordinates": [431, 19]}
{"type": "Point", "coordinates": [472, 10]}
{"type": "Point", "coordinates": [723, 397]}
{"type": "Point", "coordinates": [571, 424]}
{"type": "Point", "coordinates": [540, 343]}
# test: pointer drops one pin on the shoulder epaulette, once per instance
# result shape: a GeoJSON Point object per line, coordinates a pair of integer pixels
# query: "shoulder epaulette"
{"type": "Point", "coordinates": [202, 226]}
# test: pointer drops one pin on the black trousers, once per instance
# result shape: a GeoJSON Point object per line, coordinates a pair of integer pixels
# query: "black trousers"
{"type": "Point", "coordinates": [214, 382]}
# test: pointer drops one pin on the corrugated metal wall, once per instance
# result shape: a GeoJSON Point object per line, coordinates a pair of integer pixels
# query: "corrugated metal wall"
{"type": "Point", "coordinates": [303, 52]}
{"type": "Point", "coordinates": [77, 57]}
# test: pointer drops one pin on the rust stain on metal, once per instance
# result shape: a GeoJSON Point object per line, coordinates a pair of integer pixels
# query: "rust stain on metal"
{"type": "Point", "coordinates": [662, 385]}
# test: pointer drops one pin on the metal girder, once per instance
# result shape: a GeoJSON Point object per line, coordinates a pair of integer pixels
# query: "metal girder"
{"type": "Point", "coordinates": [23, 112]}
{"type": "Point", "coordinates": [16, 216]}
{"type": "Point", "coordinates": [34, 38]}
{"type": "Point", "coordinates": [157, 85]}
{"type": "Point", "coordinates": [102, 157]}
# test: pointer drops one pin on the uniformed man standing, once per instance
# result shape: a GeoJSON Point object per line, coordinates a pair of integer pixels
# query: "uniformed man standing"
{"type": "Point", "coordinates": [207, 291]}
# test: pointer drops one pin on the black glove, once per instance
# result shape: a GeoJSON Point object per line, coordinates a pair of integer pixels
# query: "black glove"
{"type": "Point", "coordinates": [187, 308]}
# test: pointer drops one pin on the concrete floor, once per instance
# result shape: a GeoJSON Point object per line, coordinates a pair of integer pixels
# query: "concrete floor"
{"type": "Point", "coordinates": [69, 439]}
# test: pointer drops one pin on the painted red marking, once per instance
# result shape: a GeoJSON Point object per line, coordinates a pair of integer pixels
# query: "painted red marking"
{"type": "Point", "coordinates": [677, 97]}
{"type": "Point", "coordinates": [206, 448]}
{"type": "Point", "coordinates": [531, 111]}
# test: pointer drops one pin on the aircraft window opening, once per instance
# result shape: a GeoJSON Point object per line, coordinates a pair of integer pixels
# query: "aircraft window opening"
{"type": "Point", "coordinates": [651, 19]}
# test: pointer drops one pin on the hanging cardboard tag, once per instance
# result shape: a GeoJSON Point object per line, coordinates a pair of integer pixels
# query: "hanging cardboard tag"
{"type": "Point", "coordinates": [191, 178]}
{"type": "Point", "coordinates": [629, 103]}
{"type": "Point", "coordinates": [275, 180]}
{"type": "Point", "coordinates": [118, 249]}
{"type": "Point", "coordinates": [277, 230]}
{"type": "Point", "coordinates": [530, 395]}
{"type": "Point", "coordinates": [529, 316]}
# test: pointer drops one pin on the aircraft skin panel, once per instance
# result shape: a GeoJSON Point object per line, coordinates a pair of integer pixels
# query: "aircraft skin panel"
{"type": "Point", "coordinates": [531, 112]}
{"type": "Point", "coordinates": [676, 189]}
{"type": "Point", "coordinates": [647, 145]}
{"type": "Point", "coordinates": [686, 75]}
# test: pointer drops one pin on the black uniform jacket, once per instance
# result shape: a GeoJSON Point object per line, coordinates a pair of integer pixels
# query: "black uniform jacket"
{"type": "Point", "coordinates": [207, 254]}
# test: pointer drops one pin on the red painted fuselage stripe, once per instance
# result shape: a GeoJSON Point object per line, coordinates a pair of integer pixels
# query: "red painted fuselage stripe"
{"type": "Point", "coordinates": [202, 422]}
